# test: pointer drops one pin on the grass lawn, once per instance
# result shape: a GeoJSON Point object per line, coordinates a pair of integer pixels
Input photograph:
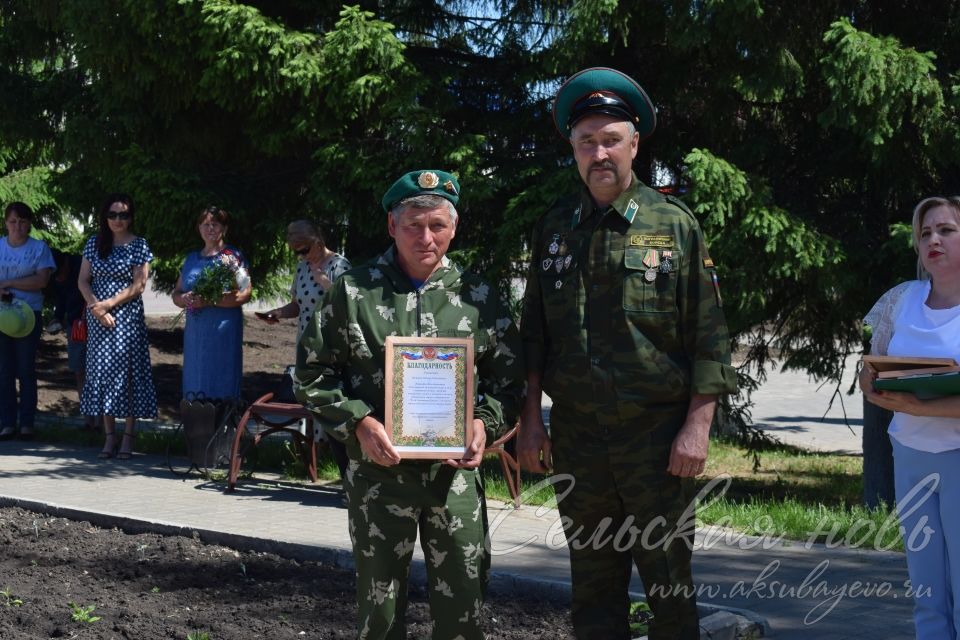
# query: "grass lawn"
{"type": "Point", "coordinates": [810, 497]}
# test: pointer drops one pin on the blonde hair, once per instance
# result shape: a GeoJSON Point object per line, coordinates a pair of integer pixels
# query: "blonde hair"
{"type": "Point", "coordinates": [919, 212]}
{"type": "Point", "coordinates": [304, 231]}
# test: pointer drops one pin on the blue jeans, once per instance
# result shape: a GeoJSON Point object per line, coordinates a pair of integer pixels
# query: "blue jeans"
{"type": "Point", "coordinates": [927, 487]}
{"type": "Point", "coordinates": [18, 361]}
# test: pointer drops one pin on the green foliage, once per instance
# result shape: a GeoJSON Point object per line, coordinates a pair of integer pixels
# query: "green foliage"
{"type": "Point", "coordinates": [222, 276]}
{"type": "Point", "coordinates": [82, 614]}
{"type": "Point", "coordinates": [10, 600]}
{"type": "Point", "coordinates": [198, 635]}
{"type": "Point", "coordinates": [640, 616]}
{"type": "Point", "coordinates": [800, 134]}
{"type": "Point", "coordinates": [877, 86]}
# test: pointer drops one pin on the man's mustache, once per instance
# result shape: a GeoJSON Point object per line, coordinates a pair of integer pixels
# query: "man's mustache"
{"type": "Point", "coordinates": [604, 164]}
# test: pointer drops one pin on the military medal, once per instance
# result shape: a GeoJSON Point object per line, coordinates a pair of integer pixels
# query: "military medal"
{"type": "Point", "coordinates": [547, 263]}
{"type": "Point", "coordinates": [559, 265]}
{"type": "Point", "coordinates": [567, 261]}
{"type": "Point", "coordinates": [650, 275]}
{"type": "Point", "coordinates": [651, 259]}
{"type": "Point", "coordinates": [666, 264]}
{"type": "Point", "coordinates": [554, 246]}
{"type": "Point", "coordinates": [558, 284]}
{"type": "Point", "coordinates": [563, 245]}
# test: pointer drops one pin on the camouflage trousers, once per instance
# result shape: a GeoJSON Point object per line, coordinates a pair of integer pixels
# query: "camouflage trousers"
{"type": "Point", "coordinates": [387, 509]}
{"type": "Point", "coordinates": [622, 509]}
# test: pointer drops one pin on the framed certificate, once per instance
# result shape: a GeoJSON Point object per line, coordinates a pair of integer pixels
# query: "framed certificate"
{"type": "Point", "coordinates": [429, 396]}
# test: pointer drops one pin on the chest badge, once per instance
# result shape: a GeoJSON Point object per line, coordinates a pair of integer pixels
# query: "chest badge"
{"type": "Point", "coordinates": [554, 245]}
{"type": "Point", "coordinates": [666, 262]}
{"type": "Point", "coordinates": [651, 259]}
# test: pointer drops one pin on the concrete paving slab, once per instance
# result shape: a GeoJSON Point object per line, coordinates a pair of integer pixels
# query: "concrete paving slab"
{"type": "Point", "coordinates": [803, 591]}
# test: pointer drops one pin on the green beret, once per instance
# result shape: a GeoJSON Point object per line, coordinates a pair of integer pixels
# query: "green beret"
{"type": "Point", "coordinates": [16, 318]}
{"type": "Point", "coordinates": [606, 91]}
{"type": "Point", "coordinates": [422, 182]}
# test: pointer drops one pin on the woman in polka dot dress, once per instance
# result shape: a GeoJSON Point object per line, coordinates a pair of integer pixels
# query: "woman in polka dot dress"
{"type": "Point", "coordinates": [317, 268]}
{"type": "Point", "coordinates": [113, 274]}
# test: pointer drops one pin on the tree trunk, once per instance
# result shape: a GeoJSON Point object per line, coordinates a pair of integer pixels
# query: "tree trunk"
{"type": "Point", "coordinates": [877, 457]}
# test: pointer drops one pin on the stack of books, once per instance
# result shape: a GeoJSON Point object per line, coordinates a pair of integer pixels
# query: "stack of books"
{"type": "Point", "coordinates": [924, 377]}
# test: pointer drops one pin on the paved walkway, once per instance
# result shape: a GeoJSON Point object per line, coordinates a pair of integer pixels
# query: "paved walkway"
{"type": "Point", "coordinates": [802, 591]}
{"type": "Point", "coordinates": [815, 416]}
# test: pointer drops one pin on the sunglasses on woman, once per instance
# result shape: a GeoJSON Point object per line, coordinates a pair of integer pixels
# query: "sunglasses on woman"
{"type": "Point", "coordinates": [118, 215]}
{"type": "Point", "coordinates": [302, 251]}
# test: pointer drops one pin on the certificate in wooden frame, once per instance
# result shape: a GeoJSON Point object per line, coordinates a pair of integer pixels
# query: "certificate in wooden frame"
{"type": "Point", "coordinates": [429, 396]}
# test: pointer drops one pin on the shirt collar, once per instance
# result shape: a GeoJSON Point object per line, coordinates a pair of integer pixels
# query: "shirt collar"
{"type": "Point", "coordinates": [389, 259]}
{"type": "Point", "coordinates": [626, 205]}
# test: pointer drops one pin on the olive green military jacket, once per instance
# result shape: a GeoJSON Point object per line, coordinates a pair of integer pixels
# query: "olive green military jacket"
{"type": "Point", "coordinates": [339, 374]}
{"type": "Point", "coordinates": [622, 306]}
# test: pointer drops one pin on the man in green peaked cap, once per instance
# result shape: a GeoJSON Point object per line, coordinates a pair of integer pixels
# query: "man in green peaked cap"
{"type": "Point", "coordinates": [412, 289]}
{"type": "Point", "coordinates": [622, 328]}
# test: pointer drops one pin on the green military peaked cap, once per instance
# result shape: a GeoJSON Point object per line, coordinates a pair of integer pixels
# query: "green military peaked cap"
{"type": "Point", "coordinates": [422, 182]}
{"type": "Point", "coordinates": [16, 318]}
{"type": "Point", "coordinates": [606, 91]}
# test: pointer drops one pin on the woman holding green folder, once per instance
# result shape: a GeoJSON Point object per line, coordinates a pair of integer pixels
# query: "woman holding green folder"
{"type": "Point", "coordinates": [922, 318]}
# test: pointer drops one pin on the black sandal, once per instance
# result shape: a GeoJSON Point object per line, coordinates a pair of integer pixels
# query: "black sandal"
{"type": "Point", "coordinates": [126, 454]}
{"type": "Point", "coordinates": [109, 452]}
{"type": "Point", "coordinates": [7, 433]}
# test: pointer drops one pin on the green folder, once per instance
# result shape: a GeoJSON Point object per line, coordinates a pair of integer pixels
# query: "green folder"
{"type": "Point", "coordinates": [924, 386]}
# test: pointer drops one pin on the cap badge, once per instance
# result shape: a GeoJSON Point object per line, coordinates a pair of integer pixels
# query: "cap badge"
{"type": "Point", "coordinates": [448, 185]}
{"type": "Point", "coordinates": [428, 180]}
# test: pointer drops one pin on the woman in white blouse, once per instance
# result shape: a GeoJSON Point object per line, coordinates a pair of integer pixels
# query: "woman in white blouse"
{"type": "Point", "coordinates": [922, 318]}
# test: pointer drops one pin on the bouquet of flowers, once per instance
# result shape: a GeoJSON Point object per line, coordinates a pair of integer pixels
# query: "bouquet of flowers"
{"type": "Point", "coordinates": [223, 275]}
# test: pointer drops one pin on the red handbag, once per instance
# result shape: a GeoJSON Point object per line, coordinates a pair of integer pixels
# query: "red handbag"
{"type": "Point", "coordinates": [78, 330]}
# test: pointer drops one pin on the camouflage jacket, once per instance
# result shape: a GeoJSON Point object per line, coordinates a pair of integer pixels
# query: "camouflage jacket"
{"type": "Point", "coordinates": [621, 305]}
{"type": "Point", "coordinates": [340, 357]}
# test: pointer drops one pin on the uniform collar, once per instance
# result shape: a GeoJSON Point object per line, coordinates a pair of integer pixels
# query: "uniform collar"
{"type": "Point", "coordinates": [445, 274]}
{"type": "Point", "coordinates": [626, 205]}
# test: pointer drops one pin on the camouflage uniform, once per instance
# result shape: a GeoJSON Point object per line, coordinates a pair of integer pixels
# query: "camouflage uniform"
{"type": "Point", "coordinates": [624, 329]}
{"type": "Point", "coordinates": [340, 376]}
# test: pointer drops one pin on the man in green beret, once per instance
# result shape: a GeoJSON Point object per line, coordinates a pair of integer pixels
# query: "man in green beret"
{"type": "Point", "coordinates": [412, 289]}
{"type": "Point", "coordinates": [622, 328]}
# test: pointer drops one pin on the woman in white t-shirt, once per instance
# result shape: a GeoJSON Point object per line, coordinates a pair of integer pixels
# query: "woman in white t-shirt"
{"type": "Point", "coordinates": [25, 267]}
{"type": "Point", "coordinates": [922, 318]}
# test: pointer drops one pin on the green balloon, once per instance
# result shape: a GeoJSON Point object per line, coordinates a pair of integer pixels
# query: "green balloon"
{"type": "Point", "coordinates": [16, 318]}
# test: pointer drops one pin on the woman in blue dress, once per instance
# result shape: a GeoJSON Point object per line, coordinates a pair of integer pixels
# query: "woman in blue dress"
{"type": "Point", "coordinates": [213, 336]}
{"type": "Point", "coordinates": [113, 274]}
